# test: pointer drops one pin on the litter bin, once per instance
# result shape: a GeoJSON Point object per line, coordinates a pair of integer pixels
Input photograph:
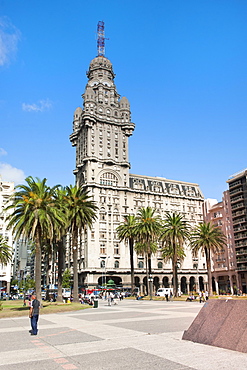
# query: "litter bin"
{"type": "Point", "coordinates": [95, 303]}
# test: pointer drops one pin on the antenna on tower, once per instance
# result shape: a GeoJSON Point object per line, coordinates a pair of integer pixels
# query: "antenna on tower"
{"type": "Point", "coordinates": [101, 38]}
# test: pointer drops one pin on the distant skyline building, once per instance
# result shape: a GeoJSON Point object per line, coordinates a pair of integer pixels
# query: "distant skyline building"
{"type": "Point", "coordinates": [6, 191]}
{"type": "Point", "coordinates": [101, 131]}
{"type": "Point", "coordinates": [238, 199]}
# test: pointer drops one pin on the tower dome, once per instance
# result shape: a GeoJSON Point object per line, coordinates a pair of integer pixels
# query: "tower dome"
{"type": "Point", "coordinates": [124, 103]}
{"type": "Point", "coordinates": [100, 63]}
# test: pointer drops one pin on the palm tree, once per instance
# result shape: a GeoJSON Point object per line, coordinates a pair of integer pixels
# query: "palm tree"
{"type": "Point", "coordinates": [81, 213]}
{"type": "Point", "coordinates": [175, 232]}
{"type": "Point", "coordinates": [60, 239]}
{"type": "Point", "coordinates": [148, 226]}
{"type": "Point", "coordinates": [5, 251]}
{"type": "Point", "coordinates": [210, 239]}
{"type": "Point", "coordinates": [126, 231]}
{"type": "Point", "coordinates": [35, 216]}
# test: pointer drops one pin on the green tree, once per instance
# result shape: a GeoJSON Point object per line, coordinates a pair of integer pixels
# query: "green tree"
{"type": "Point", "coordinates": [175, 232]}
{"type": "Point", "coordinates": [35, 216]}
{"type": "Point", "coordinates": [209, 238]}
{"type": "Point", "coordinates": [81, 213]}
{"type": "Point", "coordinates": [147, 230]}
{"type": "Point", "coordinates": [5, 251]}
{"type": "Point", "coordinates": [126, 231]}
{"type": "Point", "coordinates": [66, 279]}
{"type": "Point", "coordinates": [27, 284]}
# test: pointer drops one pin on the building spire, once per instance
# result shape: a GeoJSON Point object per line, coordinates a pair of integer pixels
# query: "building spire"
{"type": "Point", "coordinates": [101, 38]}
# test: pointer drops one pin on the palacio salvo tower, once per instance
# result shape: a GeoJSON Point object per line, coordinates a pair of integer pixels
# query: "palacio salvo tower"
{"type": "Point", "coordinates": [101, 129]}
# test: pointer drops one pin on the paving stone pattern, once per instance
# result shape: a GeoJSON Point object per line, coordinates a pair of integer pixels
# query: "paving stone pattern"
{"type": "Point", "coordinates": [130, 335]}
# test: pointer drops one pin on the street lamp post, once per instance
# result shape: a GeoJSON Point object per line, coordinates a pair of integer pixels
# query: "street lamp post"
{"type": "Point", "coordinates": [150, 279]}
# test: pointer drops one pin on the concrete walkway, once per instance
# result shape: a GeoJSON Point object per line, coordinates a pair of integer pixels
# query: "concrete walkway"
{"type": "Point", "coordinates": [130, 335]}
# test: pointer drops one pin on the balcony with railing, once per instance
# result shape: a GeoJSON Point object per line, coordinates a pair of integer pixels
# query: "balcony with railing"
{"type": "Point", "coordinates": [241, 244]}
{"type": "Point", "coordinates": [236, 199]}
{"type": "Point", "coordinates": [236, 191]}
{"type": "Point", "coordinates": [238, 205]}
{"type": "Point", "coordinates": [241, 268]}
{"type": "Point", "coordinates": [234, 184]}
{"type": "Point", "coordinates": [240, 236]}
{"type": "Point", "coordinates": [238, 213]}
{"type": "Point", "coordinates": [241, 260]}
{"type": "Point", "coordinates": [241, 251]}
{"type": "Point", "coordinates": [239, 220]}
{"type": "Point", "coordinates": [239, 228]}
{"type": "Point", "coordinates": [220, 259]}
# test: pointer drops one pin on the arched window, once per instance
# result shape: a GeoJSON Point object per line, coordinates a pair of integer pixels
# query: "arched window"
{"type": "Point", "coordinates": [102, 263]}
{"type": "Point", "coordinates": [140, 264]}
{"type": "Point", "coordinates": [116, 264]}
{"type": "Point", "coordinates": [108, 178]}
{"type": "Point", "coordinates": [160, 265]}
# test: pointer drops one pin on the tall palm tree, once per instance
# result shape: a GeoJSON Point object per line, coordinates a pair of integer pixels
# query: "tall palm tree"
{"type": "Point", "coordinates": [126, 231]}
{"type": "Point", "coordinates": [175, 232]}
{"type": "Point", "coordinates": [60, 238]}
{"type": "Point", "coordinates": [5, 251]}
{"type": "Point", "coordinates": [35, 217]}
{"type": "Point", "coordinates": [210, 239]}
{"type": "Point", "coordinates": [148, 226]}
{"type": "Point", "coordinates": [81, 213]}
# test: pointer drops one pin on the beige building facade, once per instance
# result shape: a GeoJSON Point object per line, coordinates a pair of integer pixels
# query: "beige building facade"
{"type": "Point", "coordinates": [101, 129]}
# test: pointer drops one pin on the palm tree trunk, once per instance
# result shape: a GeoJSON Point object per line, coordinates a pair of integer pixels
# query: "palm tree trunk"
{"type": "Point", "coordinates": [48, 269]}
{"type": "Point", "coordinates": [150, 275]}
{"type": "Point", "coordinates": [208, 261]}
{"type": "Point", "coordinates": [60, 270]}
{"type": "Point", "coordinates": [175, 269]}
{"type": "Point", "coordinates": [38, 267]}
{"type": "Point", "coordinates": [175, 276]}
{"type": "Point", "coordinates": [146, 261]}
{"type": "Point", "coordinates": [132, 277]}
{"type": "Point", "coordinates": [75, 267]}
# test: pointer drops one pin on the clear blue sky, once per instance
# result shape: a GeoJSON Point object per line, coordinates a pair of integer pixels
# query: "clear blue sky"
{"type": "Point", "coordinates": [182, 65]}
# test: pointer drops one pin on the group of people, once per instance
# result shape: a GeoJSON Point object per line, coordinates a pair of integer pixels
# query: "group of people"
{"type": "Point", "coordinates": [203, 296]}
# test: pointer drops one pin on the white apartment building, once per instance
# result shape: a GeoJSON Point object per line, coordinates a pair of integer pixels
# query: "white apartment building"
{"type": "Point", "coordinates": [101, 129]}
{"type": "Point", "coordinates": [6, 190]}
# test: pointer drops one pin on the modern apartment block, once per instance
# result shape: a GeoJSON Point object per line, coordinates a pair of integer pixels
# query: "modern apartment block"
{"type": "Point", "coordinates": [22, 261]}
{"type": "Point", "coordinates": [225, 278]}
{"type": "Point", "coordinates": [101, 131]}
{"type": "Point", "coordinates": [238, 199]}
{"type": "Point", "coordinates": [6, 190]}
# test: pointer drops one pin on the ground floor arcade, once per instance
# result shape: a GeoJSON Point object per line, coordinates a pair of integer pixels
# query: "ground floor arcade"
{"type": "Point", "coordinates": [187, 282]}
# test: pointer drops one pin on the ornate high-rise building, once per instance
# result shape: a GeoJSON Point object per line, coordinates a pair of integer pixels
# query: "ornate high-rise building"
{"type": "Point", "coordinates": [101, 129]}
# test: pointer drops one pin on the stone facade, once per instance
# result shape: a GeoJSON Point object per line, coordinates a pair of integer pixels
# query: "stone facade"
{"type": "Point", "coordinates": [101, 129]}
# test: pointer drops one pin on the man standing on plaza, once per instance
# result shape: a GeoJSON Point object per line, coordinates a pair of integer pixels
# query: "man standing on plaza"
{"type": "Point", "coordinates": [34, 314]}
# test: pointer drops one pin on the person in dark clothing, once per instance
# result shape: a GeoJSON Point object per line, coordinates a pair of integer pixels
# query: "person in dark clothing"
{"type": "Point", "coordinates": [34, 314]}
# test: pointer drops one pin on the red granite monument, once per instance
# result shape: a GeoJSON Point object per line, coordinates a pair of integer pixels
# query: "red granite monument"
{"type": "Point", "coordinates": [221, 323]}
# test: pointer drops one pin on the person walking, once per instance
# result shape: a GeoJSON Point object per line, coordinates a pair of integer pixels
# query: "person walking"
{"type": "Point", "coordinates": [34, 314]}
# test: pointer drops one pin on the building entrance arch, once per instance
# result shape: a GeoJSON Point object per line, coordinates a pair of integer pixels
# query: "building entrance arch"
{"type": "Point", "coordinates": [166, 282]}
{"type": "Point", "coordinates": [183, 286]}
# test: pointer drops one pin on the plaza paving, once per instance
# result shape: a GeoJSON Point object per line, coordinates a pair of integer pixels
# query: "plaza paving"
{"type": "Point", "coordinates": [129, 335]}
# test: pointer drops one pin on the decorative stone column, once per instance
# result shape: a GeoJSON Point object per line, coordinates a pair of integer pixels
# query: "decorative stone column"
{"type": "Point", "coordinates": [231, 284]}
{"type": "Point", "coordinates": [216, 286]}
